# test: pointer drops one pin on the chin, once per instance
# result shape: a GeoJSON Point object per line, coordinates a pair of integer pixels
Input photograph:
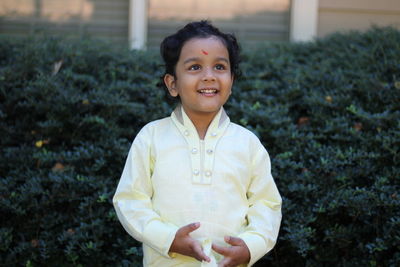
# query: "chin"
{"type": "Point", "coordinates": [213, 110]}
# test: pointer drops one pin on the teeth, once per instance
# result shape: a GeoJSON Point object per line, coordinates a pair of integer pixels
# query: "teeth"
{"type": "Point", "coordinates": [208, 91]}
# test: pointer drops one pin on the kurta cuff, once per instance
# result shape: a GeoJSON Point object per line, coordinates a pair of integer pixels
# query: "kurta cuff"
{"type": "Point", "coordinates": [256, 245]}
{"type": "Point", "coordinates": [160, 235]}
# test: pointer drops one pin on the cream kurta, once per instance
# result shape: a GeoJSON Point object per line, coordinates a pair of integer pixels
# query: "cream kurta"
{"type": "Point", "coordinates": [172, 178]}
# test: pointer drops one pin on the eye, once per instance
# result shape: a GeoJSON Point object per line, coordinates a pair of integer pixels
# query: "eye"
{"type": "Point", "coordinates": [220, 67]}
{"type": "Point", "coordinates": [194, 67]}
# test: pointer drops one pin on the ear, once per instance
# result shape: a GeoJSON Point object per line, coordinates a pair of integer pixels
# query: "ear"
{"type": "Point", "coordinates": [170, 82]}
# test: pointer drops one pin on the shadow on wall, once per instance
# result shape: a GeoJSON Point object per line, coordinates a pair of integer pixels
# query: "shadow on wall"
{"type": "Point", "coordinates": [251, 21]}
{"type": "Point", "coordinates": [250, 29]}
{"type": "Point", "coordinates": [76, 18]}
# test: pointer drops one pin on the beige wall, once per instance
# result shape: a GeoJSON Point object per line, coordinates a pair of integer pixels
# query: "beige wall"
{"type": "Point", "coordinates": [98, 18]}
{"type": "Point", "coordinates": [212, 9]}
{"type": "Point", "coordinates": [252, 21]}
{"type": "Point", "coordinates": [344, 15]}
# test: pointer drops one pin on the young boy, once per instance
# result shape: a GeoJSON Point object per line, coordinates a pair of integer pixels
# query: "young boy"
{"type": "Point", "coordinates": [196, 188]}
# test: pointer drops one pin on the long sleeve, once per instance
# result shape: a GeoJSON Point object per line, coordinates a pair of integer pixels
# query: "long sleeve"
{"type": "Point", "coordinates": [264, 214]}
{"type": "Point", "coordinates": [132, 200]}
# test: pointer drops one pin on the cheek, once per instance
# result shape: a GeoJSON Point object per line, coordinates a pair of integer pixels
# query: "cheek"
{"type": "Point", "coordinates": [185, 80]}
{"type": "Point", "coordinates": [228, 82]}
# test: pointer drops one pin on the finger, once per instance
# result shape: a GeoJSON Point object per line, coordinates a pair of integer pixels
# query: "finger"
{"type": "Point", "coordinates": [199, 253]}
{"type": "Point", "coordinates": [220, 249]}
{"type": "Point", "coordinates": [185, 230]}
{"type": "Point", "coordinates": [234, 241]}
{"type": "Point", "coordinates": [224, 263]}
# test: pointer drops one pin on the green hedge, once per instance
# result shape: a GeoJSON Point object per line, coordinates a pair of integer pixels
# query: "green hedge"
{"type": "Point", "coordinates": [328, 112]}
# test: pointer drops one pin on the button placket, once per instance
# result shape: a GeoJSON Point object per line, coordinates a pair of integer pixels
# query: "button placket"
{"type": "Point", "coordinates": [191, 141]}
{"type": "Point", "coordinates": [209, 159]}
{"type": "Point", "coordinates": [195, 159]}
{"type": "Point", "coordinates": [202, 161]}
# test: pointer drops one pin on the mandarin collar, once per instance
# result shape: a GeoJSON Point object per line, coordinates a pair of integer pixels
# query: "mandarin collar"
{"type": "Point", "coordinates": [217, 125]}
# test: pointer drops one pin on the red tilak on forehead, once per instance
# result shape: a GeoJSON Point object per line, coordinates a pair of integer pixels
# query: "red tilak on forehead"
{"type": "Point", "coordinates": [204, 52]}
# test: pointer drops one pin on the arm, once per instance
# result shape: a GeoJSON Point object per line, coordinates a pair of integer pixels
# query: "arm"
{"type": "Point", "coordinates": [132, 202]}
{"type": "Point", "coordinates": [132, 199]}
{"type": "Point", "coordinates": [264, 214]}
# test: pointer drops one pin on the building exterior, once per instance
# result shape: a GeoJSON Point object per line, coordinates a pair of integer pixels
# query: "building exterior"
{"type": "Point", "coordinates": [98, 18]}
{"type": "Point", "coordinates": [143, 23]}
{"type": "Point", "coordinates": [339, 15]}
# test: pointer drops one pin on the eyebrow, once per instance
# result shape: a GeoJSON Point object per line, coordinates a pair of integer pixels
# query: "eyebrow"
{"type": "Point", "coordinates": [198, 59]}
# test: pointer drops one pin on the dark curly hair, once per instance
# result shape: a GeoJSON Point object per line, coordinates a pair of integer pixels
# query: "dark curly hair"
{"type": "Point", "coordinates": [171, 46]}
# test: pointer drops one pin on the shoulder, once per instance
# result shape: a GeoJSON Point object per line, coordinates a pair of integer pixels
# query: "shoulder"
{"type": "Point", "coordinates": [246, 137]}
{"type": "Point", "coordinates": [243, 132]}
{"type": "Point", "coordinates": [148, 130]}
{"type": "Point", "coordinates": [157, 124]}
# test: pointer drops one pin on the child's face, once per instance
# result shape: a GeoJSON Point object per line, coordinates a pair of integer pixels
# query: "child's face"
{"type": "Point", "coordinates": [203, 78]}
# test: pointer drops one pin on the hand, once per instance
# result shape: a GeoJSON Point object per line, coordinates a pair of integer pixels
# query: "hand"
{"type": "Point", "coordinates": [238, 253]}
{"type": "Point", "coordinates": [184, 244]}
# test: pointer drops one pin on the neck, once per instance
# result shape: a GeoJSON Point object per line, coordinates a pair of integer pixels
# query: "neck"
{"type": "Point", "coordinates": [201, 122]}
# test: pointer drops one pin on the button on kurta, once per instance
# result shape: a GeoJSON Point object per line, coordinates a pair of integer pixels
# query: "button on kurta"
{"type": "Point", "coordinates": [209, 151]}
{"type": "Point", "coordinates": [213, 134]}
{"type": "Point", "coordinates": [194, 150]}
{"type": "Point", "coordinates": [196, 172]}
{"type": "Point", "coordinates": [186, 132]}
{"type": "Point", "coordinates": [208, 173]}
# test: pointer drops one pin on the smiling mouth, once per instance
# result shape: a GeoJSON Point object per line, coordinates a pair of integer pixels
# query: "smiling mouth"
{"type": "Point", "coordinates": [208, 91]}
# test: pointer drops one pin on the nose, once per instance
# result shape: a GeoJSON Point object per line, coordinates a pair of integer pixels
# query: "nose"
{"type": "Point", "coordinates": [208, 75]}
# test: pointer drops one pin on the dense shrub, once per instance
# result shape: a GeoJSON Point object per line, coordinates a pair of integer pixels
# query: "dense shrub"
{"type": "Point", "coordinates": [328, 112]}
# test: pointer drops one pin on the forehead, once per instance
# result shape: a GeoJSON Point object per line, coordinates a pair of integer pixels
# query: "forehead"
{"type": "Point", "coordinates": [211, 44]}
